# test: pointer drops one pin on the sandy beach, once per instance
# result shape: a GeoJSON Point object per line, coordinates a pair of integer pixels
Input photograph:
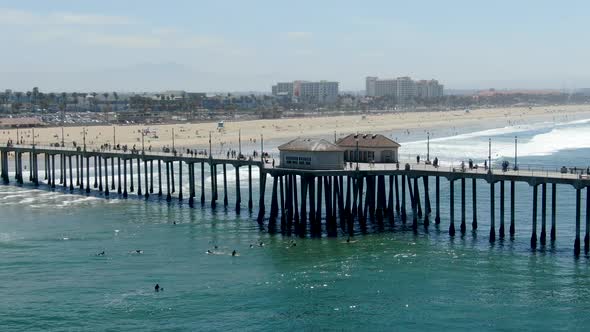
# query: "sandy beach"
{"type": "Point", "coordinates": [276, 131]}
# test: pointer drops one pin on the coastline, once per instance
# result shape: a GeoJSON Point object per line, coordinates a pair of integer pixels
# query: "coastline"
{"type": "Point", "coordinates": [399, 126]}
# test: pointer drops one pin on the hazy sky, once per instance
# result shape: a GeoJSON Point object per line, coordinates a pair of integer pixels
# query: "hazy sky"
{"type": "Point", "coordinates": [247, 45]}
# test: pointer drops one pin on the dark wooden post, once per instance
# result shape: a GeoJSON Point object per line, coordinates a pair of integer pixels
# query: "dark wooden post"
{"type": "Point", "coordinates": [534, 233]}
{"type": "Point", "coordinates": [543, 237]}
{"type": "Point", "coordinates": [463, 226]}
{"type": "Point", "coordinates": [501, 232]}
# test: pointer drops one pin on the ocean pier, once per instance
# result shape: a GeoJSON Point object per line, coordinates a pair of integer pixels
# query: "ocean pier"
{"type": "Point", "coordinates": [311, 202]}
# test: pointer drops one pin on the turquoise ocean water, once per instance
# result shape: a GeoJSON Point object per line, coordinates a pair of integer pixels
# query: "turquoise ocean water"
{"type": "Point", "coordinates": [51, 278]}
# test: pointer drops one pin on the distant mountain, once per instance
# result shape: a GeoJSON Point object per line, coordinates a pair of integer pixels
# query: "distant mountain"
{"type": "Point", "coordinates": [141, 77]}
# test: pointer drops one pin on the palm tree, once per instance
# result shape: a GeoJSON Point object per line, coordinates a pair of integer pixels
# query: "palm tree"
{"type": "Point", "coordinates": [94, 94]}
{"type": "Point", "coordinates": [116, 96]}
{"type": "Point", "coordinates": [64, 102]}
{"type": "Point", "coordinates": [106, 108]}
{"type": "Point", "coordinates": [75, 96]}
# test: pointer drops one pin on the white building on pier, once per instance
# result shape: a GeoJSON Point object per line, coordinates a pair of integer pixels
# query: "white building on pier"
{"type": "Point", "coordinates": [309, 153]}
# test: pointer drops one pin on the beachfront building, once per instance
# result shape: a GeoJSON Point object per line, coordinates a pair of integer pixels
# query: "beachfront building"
{"type": "Point", "coordinates": [403, 88]}
{"type": "Point", "coordinates": [369, 148]}
{"type": "Point", "coordinates": [309, 153]}
{"type": "Point", "coordinates": [304, 91]}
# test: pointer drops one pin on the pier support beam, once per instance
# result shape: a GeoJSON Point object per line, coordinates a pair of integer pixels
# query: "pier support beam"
{"type": "Point", "coordinates": [282, 204]}
{"type": "Point", "coordinates": [427, 206]}
{"type": "Point", "coordinates": [71, 175]}
{"type": "Point", "coordinates": [587, 235]}
{"type": "Point", "coordinates": [202, 183]}
{"type": "Point", "coordinates": [452, 207]}
{"type": "Point", "coordinates": [512, 207]}
{"type": "Point", "coordinates": [225, 200]}
{"type": "Point", "coordinates": [415, 198]}
{"type": "Point", "coordinates": [250, 205]}
{"type": "Point", "coordinates": [404, 216]}
{"type": "Point", "coordinates": [501, 232]}
{"type": "Point", "coordinates": [474, 203]}
{"type": "Point", "coordinates": [139, 177]}
{"type": "Point", "coordinates": [106, 177]}
{"type": "Point", "coordinates": [172, 176]}
{"type": "Point", "coordinates": [159, 178]}
{"type": "Point", "coordinates": [301, 227]}
{"type": "Point", "coordinates": [168, 194]}
{"type": "Point", "coordinates": [131, 187]}
{"type": "Point", "coordinates": [52, 172]}
{"type": "Point", "coordinates": [397, 208]}
{"type": "Point", "coordinates": [87, 174]}
{"type": "Point", "coordinates": [578, 212]}
{"type": "Point", "coordinates": [437, 196]}
{"type": "Point", "coordinates": [534, 232]}
{"type": "Point", "coordinates": [238, 191]}
{"type": "Point", "coordinates": [77, 170]}
{"type": "Point", "coordinates": [152, 176]}
{"type": "Point", "coordinates": [492, 211]}
{"type": "Point", "coordinates": [125, 178]}
{"type": "Point", "coordinates": [145, 171]}
{"type": "Point", "coordinates": [463, 215]}
{"type": "Point", "coordinates": [180, 180]}
{"type": "Point", "coordinates": [81, 184]}
{"type": "Point", "coordinates": [390, 204]}
{"type": "Point", "coordinates": [113, 173]}
{"type": "Point", "coordinates": [543, 237]}
{"type": "Point", "coordinates": [119, 190]}
{"type": "Point", "coordinates": [553, 210]}
{"type": "Point", "coordinates": [191, 184]}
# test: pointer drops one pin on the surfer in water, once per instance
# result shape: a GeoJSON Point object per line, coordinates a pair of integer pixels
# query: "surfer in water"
{"type": "Point", "coordinates": [234, 253]}
{"type": "Point", "coordinates": [157, 288]}
{"type": "Point", "coordinates": [100, 254]}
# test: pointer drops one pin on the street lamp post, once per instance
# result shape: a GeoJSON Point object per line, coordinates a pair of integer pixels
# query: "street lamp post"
{"type": "Point", "coordinates": [239, 143]}
{"type": "Point", "coordinates": [261, 147]}
{"type": "Point", "coordinates": [516, 153]}
{"type": "Point", "coordinates": [62, 137]}
{"type": "Point", "coordinates": [490, 155]}
{"type": "Point", "coordinates": [210, 156]}
{"type": "Point", "coordinates": [33, 138]}
{"type": "Point", "coordinates": [114, 137]}
{"type": "Point", "coordinates": [357, 154]}
{"type": "Point", "coordinates": [173, 149]}
{"type": "Point", "coordinates": [428, 147]}
{"type": "Point", "coordinates": [84, 137]}
{"type": "Point", "coordinates": [142, 140]}
{"type": "Point", "coordinates": [17, 137]}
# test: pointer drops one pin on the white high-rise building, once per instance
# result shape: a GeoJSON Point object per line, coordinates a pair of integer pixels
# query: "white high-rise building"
{"type": "Point", "coordinates": [304, 91]}
{"type": "Point", "coordinates": [402, 88]}
{"type": "Point", "coordinates": [370, 85]}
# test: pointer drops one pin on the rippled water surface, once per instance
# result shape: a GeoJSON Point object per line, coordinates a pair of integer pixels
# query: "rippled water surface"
{"type": "Point", "coordinates": [52, 279]}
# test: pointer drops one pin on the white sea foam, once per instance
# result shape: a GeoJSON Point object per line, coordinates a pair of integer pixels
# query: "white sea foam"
{"type": "Point", "coordinates": [551, 139]}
